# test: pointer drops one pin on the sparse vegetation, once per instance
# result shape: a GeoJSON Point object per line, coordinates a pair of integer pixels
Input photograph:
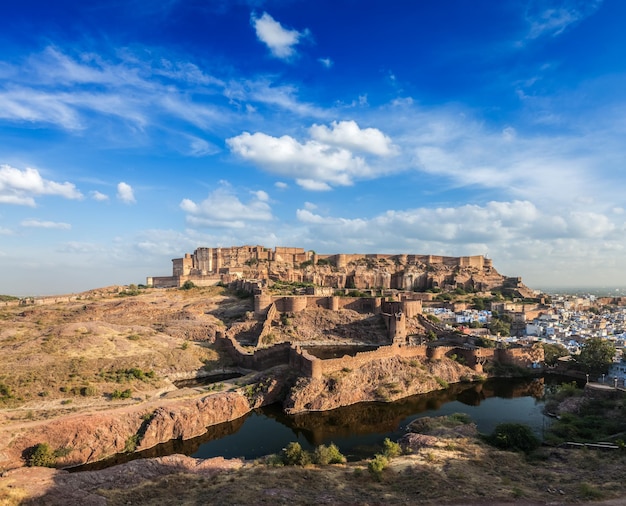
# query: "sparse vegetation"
{"type": "Point", "coordinates": [188, 285]}
{"type": "Point", "coordinates": [41, 455]}
{"type": "Point", "coordinates": [122, 394]}
{"type": "Point", "coordinates": [515, 437]}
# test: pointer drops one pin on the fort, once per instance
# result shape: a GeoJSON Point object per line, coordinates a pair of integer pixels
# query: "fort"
{"type": "Point", "coordinates": [394, 285]}
{"type": "Point", "coordinates": [209, 266]}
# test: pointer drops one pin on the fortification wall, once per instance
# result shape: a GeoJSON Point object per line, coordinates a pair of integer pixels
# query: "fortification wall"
{"type": "Point", "coordinates": [261, 359]}
{"type": "Point", "coordinates": [163, 281]}
{"type": "Point", "coordinates": [296, 303]}
{"type": "Point", "coordinates": [316, 367]}
{"type": "Point", "coordinates": [521, 357]}
{"type": "Point", "coordinates": [267, 324]}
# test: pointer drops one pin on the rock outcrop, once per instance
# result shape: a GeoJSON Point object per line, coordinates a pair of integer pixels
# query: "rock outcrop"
{"type": "Point", "coordinates": [81, 439]}
{"type": "Point", "coordinates": [381, 380]}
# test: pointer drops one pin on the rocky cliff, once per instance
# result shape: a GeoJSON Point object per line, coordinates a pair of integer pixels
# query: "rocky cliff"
{"type": "Point", "coordinates": [82, 439]}
{"type": "Point", "coordinates": [381, 380]}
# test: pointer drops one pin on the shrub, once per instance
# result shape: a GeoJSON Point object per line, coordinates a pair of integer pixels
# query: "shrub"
{"type": "Point", "coordinates": [188, 285]}
{"type": "Point", "coordinates": [121, 394]}
{"type": "Point", "coordinates": [391, 449]}
{"type": "Point", "coordinates": [377, 465]}
{"type": "Point", "coordinates": [442, 382]}
{"type": "Point", "coordinates": [131, 443]}
{"type": "Point", "coordinates": [41, 455]}
{"type": "Point", "coordinates": [294, 455]}
{"type": "Point", "coordinates": [325, 455]}
{"type": "Point", "coordinates": [513, 437]}
{"type": "Point", "coordinates": [88, 391]}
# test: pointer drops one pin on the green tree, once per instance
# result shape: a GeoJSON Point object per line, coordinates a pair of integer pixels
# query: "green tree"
{"type": "Point", "coordinates": [499, 326]}
{"type": "Point", "coordinates": [552, 353]}
{"type": "Point", "coordinates": [596, 355]}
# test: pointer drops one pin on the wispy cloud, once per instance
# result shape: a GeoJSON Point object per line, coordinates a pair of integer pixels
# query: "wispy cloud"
{"type": "Point", "coordinates": [553, 17]}
{"type": "Point", "coordinates": [280, 41]}
{"type": "Point", "coordinates": [45, 224]}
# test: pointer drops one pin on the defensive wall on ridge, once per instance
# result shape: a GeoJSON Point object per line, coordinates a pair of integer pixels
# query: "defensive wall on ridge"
{"type": "Point", "coordinates": [308, 365]}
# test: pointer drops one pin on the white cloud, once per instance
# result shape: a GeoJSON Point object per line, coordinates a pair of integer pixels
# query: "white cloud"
{"type": "Point", "coordinates": [261, 195]}
{"type": "Point", "coordinates": [281, 185]}
{"type": "Point", "coordinates": [6, 231]}
{"type": "Point", "coordinates": [45, 224]}
{"type": "Point", "coordinates": [349, 135]}
{"type": "Point", "coordinates": [325, 161]}
{"type": "Point", "coordinates": [100, 197]}
{"type": "Point", "coordinates": [326, 62]}
{"type": "Point", "coordinates": [280, 41]}
{"type": "Point", "coordinates": [22, 186]}
{"type": "Point", "coordinates": [223, 209]}
{"type": "Point", "coordinates": [125, 193]}
{"type": "Point", "coordinates": [553, 17]}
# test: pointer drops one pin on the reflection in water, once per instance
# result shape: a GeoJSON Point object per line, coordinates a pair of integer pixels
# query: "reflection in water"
{"type": "Point", "coordinates": [359, 429]}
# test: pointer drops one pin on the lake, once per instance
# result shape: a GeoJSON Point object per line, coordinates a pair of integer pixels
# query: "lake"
{"type": "Point", "coordinates": [360, 429]}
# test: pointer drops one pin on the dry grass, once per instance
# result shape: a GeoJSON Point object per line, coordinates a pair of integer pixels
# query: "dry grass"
{"type": "Point", "coordinates": [471, 473]}
{"type": "Point", "coordinates": [66, 356]}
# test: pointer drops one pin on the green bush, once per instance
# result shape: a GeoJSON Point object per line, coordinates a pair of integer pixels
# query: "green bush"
{"type": "Point", "coordinates": [377, 465]}
{"type": "Point", "coordinates": [391, 449]}
{"type": "Point", "coordinates": [41, 455]}
{"type": "Point", "coordinates": [325, 455]}
{"type": "Point", "coordinates": [294, 455]}
{"type": "Point", "coordinates": [188, 285]}
{"type": "Point", "coordinates": [513, 437]}
{"type": "Point", "coordinates": [121, 394]}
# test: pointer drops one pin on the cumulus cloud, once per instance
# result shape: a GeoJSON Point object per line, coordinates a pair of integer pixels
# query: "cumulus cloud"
{"type": "Point", "coordinates": [280, 41]}
{"type": "Point", "coordinates": [223, 209]}
{"type": "Point", "coordinates": [46, 224]}
{"type": "Point", "coordinates": [322, 162]}
{"type": "Point", "coordinates": [495, 225]}
{"type": "Point", "coordinates": [349, 135]}
{"type": "Point", "coordinates": [125, 193]}
{"type": "Point", "coordinates": [281, 185]}
{"type": "Point", "coordinates": [20, 187]}
{"type": "Point", "coordinates": [100, 197]}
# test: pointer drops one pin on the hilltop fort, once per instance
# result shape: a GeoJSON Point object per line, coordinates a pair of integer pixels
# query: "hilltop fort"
{"type": "Point", "coordinates": [405, 272]}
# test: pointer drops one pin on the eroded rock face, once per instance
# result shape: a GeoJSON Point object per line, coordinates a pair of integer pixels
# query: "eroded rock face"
{"type": "Point", "coordinates": [380, 380]}
{"type": "Point", "coordinates": [92, 437]}
{"type": "Point", "coordinates": [185, 420]}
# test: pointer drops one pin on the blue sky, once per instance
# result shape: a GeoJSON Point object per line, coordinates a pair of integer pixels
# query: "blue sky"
{"type": "Point", "coordinates": [134, 131]}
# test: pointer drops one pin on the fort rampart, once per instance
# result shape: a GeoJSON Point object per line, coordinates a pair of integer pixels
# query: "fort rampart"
{"type": "Point", "coordinates": [308, 365]}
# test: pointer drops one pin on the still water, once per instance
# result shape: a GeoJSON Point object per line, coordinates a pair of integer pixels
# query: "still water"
{"type": "Point", "coordinates": [360, 429]}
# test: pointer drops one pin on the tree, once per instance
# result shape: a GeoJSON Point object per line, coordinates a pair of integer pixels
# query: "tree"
{"type": "Point", "coordinates": [552, 353]}
{"type": "Point", "coordinates": [596, 355]}
{"type": "Point", "coordinates": [498, 326]}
